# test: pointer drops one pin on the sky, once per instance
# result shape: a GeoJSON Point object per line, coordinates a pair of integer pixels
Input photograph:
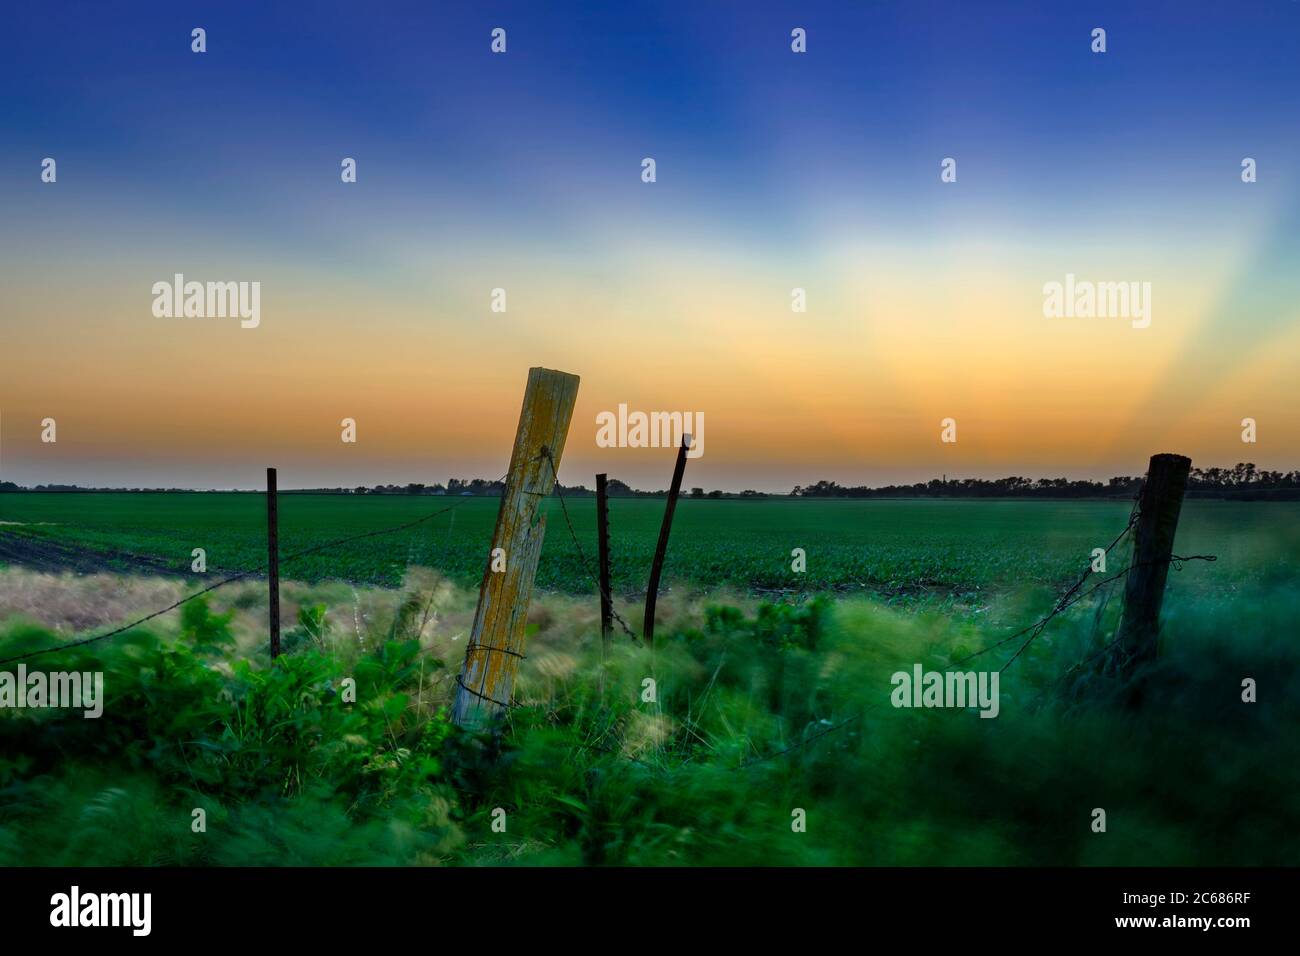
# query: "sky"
{"type": "Point", "coordinates": [522, 171]}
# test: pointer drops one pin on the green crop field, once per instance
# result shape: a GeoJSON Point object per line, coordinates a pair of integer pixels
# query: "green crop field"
{"type": "Point", "coordinates": [947, 545]}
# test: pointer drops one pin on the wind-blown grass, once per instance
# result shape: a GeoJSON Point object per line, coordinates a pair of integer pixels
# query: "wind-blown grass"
{"type": "Point", "coordinates": [759, 710]}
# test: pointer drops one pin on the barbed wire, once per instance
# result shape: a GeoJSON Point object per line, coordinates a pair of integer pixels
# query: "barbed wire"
{"type": "Point", "coordinates": [1068, 599]}
{"type": "Point", "coordinates": [582, 554]}
{"type": "Point", "coordinates": [743, 764]}
{"type": "Point", "coordinates": [1176, 560]}
{"type": "Point", "coordinates": [481, 696]}
{"type": "Point", "coordinates": [325, 546]}
{"type": "Point", "coordinates": [260, 569]}
{"type": "Point", "coordinates": [803, 743]}
{"type": "Point", "coordinates": [546, 452]}
{"type": "Point", "coordinates": [1064, 601]}
{"type": "Point", "coordinates": [1071, 596]}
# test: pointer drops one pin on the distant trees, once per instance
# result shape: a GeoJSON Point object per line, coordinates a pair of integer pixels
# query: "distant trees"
{"type": "Point", "coordinates": [476, 486]}
{"type": "Point", "coordinates": [413, 488]}
{"type": "Point", "coordinates": [574, 491]}
{"type": "Point", "coordinates": [1242, 480]}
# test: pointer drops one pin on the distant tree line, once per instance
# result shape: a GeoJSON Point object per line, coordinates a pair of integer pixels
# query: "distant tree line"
{"type": "Point", "coordinates": [1243, 480]}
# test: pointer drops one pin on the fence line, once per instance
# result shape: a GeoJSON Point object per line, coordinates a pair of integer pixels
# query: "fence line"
{"type": "Point", "coordinates": [1071, 596]}
{"type": "Point", "coordinates": [314, 549]}
{"type": "Point", "coordinates": [582, 554]}
{"type": "Point", "coordinates": [1068, 599]}
{"type": "Point", "coordinates": [304, 552]}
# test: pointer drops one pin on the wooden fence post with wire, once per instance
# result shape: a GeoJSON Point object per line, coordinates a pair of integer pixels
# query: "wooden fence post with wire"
{"type": "Point", "coordinates": [496, 640]}
{"type": "Point", "coordinates": [1153, 547]}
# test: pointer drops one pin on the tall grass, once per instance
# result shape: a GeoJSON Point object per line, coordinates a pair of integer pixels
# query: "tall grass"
{"type": "Point", "coordinates": [754, 714]}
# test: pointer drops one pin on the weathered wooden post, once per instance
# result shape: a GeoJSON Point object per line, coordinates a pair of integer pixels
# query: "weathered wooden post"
{"type": "Point", "coordinates": [496, 641]}
{"type": "Point", "coordinates": [273, 559]}
{"type": "Point", "coordinates": [1153, 546]}
{"type": "Point", "coordinates": [657, 567]}
{"type": "Point", "coordinates": [602, 535]}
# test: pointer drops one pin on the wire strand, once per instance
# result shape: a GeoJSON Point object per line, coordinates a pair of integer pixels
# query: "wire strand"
{"type": "Point", "coordinates": [582, 555]}
{"type": "Point", "coordinates": [69, 645]}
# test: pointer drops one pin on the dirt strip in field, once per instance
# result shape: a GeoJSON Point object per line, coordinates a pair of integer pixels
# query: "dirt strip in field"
{"type": "Point", "coordinates": [42, 554]}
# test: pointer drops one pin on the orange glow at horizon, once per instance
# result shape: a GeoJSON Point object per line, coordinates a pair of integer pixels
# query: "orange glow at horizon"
{"type": "Point", "coordinates": [854, 389]}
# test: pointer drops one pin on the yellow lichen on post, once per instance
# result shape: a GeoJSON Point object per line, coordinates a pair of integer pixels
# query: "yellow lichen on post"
{"type": "Point", "coordinates": [496, 641]}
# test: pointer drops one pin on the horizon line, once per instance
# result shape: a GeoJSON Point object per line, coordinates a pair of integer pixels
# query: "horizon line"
{"type": "Point", "coordinates": [490, 482]}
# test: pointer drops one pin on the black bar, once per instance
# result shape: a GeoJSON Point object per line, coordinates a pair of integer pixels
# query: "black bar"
{"type": "Point", "coordinates": [1013, 906]}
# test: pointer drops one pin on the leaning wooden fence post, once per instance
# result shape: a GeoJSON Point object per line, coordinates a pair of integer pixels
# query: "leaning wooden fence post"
{"type": "Point", "coordinates": [273, 559]}
{"type": "Point", "coordinates": [602, 535]}
{"type": "Point", "coordinates": [496, 641]}
{"type": "Point", "coordinates": [657, 567]}
{"type": "Point", "coordinates": [1153, 546]}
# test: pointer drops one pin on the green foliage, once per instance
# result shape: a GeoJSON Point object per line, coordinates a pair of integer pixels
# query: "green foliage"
{"type": "Point", "coordinates": [784, 626]}
{"type": "Point", "coordinates": [249, 741]}
{"type": "Point", "coordinates": [750, 723]}
{"type": "Point", "coordinates": [207, 633]}
{"type": "Point", "coordinates": [754, 715]}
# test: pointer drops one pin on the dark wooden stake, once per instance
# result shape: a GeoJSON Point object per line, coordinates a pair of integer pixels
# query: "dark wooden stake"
{"type": "Point", "coordinates": [273, 559]}
{"type": "Point", "coordinates": [1153, 546]}
{"type": "Point", "coordinates": [602, 535]}
{"type": "Point", "coordinates": [656, 569]}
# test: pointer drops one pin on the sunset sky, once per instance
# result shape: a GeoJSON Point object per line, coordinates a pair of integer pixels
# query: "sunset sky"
{"type": "Point", "coordinates": [775, 170]}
